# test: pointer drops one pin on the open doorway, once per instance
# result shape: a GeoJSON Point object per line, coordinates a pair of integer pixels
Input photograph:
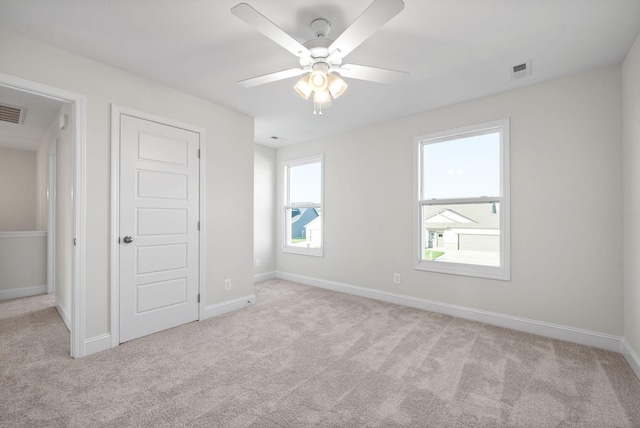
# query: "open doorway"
{"type": "Point", "coordinates": [52, 140]}
{"type": "Point", "coordinates": [28, 130]}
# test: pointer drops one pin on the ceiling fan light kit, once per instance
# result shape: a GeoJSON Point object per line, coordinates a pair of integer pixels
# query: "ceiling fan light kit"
{"type": "Point", "coordinates": [320, 58]}
{"type": "Point", "coordinates": [318, 78]}
{"type": "Point", "coordinates": [337, 86]}
{"type": "Point", "coordinates": [303, 87]}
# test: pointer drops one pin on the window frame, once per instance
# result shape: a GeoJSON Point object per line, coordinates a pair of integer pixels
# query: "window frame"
{"type": "Point", "coordinates": [287, 165]}
{"type": "Point", "coordinates": [501, 272]}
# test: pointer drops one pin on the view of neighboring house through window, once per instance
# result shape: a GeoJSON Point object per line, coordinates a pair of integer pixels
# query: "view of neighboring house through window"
{"type": "Point", "coordinates": [303, 206]}
{"type": "Point", "coordinates": [462, 211]}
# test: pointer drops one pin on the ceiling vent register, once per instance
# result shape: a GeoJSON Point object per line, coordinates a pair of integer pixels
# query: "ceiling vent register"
{"type": "Point", "coordinates": [11, 114]}
{"type": "Point", "coordinates": [521, 70]}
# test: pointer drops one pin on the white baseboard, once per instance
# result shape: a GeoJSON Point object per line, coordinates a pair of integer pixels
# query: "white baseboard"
{"type": "Point", "coordinates": [228, 306]}
{"type": "Point", "coordinates": [64, 315]}
{"type": "Point", "coordinates": [631, 356]}
{"type": "Point", "coordinates": [15, 293]}
{"type": "Point", "coordinates": [554, 331]}
{"type": "Point", "coordinates": [97, 344]}
{"type": "Point", "coordinates": [263, 276]}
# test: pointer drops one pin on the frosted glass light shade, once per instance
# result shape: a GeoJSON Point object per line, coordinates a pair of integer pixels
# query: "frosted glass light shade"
{"type": "Point", "coordinates": [321, 97]}
{"type": "Point", "coordinates": [303, 88]}
{"type": "Point", "coordinates": [336, 85]}
{"type": "Point", "coordinates": [318, 80]}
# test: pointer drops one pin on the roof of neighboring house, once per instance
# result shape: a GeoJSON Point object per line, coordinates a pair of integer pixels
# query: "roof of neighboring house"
{"type": "Point", "coordinates": [463, 216]}
{"type": "Point", "coordinates": [299, 222]}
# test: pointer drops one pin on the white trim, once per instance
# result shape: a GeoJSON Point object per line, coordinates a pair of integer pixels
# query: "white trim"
{"type": "Point", "coordinates": [541, 328]}
{"type": "Point", "coordinates": [631, 356]}
{"type": "Point", "coordinates": [24, 234]}
{"type": "Point", "coordinates": [51, 216]}
{"type": "Point", "coordinates": [78, 112]}
{"type": "Point", "coordinates": [502, 272]}
{"type": "Point", "coordinates": [15, 293]}
{"type": "Point", "coordinates": [202, 237]}
{"type": "Point", "coordinates": [114, 263]}
{"type": "Point", "coordinates": [258, 277]}
{"type": "Point", "coordinates": [287, 165]}
{"type": "Point", "coordinates": [228, 306]}
{"type": "Point", "coordinates": [64, 315]}
{"type": "Point", "coordinates": [97, 344]}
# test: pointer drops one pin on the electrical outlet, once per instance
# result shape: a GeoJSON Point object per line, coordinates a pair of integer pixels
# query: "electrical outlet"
{"type": "Point", "coordinates": [227, 285]}
{"type": "Point", "coordinates": [396, 278]}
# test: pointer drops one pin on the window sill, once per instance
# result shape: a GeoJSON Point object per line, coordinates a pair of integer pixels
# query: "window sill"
{"type": "Point", "coordinates": [315, 252]}
{"type": "Point", "coordinates": [478, 271]}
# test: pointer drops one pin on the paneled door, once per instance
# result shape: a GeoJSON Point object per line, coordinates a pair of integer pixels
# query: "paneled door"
{"type": "Point", "coordinates": [158, 243]}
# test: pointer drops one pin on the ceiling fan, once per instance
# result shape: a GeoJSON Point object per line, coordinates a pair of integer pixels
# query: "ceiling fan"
{"type": "Point", "coordinates": [321, 58]}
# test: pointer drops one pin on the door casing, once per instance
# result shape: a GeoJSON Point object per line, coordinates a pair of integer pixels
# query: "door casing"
{"type": "Point", "coordinates": [116, 112]}
{"type": "Point", "coordinates": [79, 343]}
{"type": "Point", "coordinates": [51, 218]}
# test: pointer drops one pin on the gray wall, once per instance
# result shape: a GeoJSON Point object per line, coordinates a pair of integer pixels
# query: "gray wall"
{"type": "Point", "coordinates": [17, 190]}
{"type": "Point", "coordinates": [264, 221]}
{"type": "Point", "coordinates": [229, 159]}
{"type": "Point", "coordinates": [566, 162]}
{"type": "Point", "coordinates": [631, 193]}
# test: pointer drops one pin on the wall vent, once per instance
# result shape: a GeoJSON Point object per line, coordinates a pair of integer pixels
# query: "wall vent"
{"type": "Point", "coordinates": [12, 114]}
{"type": "Point", "coordinates": [521, 70]}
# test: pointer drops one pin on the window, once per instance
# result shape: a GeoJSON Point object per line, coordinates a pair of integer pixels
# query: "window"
{"type": "Point", "coordinates": [303, 206]}
{"type": "Point", "coordinates": [462, 201]}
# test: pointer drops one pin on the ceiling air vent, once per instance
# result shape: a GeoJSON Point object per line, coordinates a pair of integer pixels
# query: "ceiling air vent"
{"type": "Point", "coordinates": [521, 70]}
{"type": "Point", "coordinates": [11, 114]}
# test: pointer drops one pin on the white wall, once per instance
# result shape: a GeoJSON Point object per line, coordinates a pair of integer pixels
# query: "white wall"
{"type": "Point", "coordinates": [42, 167]}
{"type": "Point", "coordinates": [17, 190]}
{"type": "Point", "coordinates": [23, 264]}
{"type": "Point", "coordinates": [566, 181]}
{"type": "Point", "coordinates": [229, 184]}
{"type": "Point", "coordinates": [264, 221]}
{"type": "Point", "coordinates": [631, 194]}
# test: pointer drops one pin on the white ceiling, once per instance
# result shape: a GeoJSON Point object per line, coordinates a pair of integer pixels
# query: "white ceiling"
{"type": "Point", "coordinates": [40, 112]}
{"type": "Point", "coordinates": [454, 50]}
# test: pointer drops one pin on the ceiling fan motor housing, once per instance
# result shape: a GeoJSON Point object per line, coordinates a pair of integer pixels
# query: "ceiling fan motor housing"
{"type": "Point", "coordinates": [319, 49]}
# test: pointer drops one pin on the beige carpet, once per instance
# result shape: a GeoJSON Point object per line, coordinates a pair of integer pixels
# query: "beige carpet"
{"type": "Point", "coordinates": [304, 356]}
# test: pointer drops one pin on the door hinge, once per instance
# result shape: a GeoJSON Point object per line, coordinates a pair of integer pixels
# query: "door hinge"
{"type": "Point", "coordinates": [198, 297]}
{"type": "Point", "coordinates": [74, 242]}
{"type": "Point", "coordinates": [198, 225]}
{"type": "Point", "coordinates": [198, 153]}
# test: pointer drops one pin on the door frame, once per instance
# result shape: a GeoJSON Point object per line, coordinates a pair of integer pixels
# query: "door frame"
{"type": "Point", "coordinates": [51, 216]}
{"type": "Point", "coordinates": [78, 127]}
{"type": "Point", "coordinates": [114, 262]}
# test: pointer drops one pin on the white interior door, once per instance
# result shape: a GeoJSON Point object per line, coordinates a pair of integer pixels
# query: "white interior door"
{"type": "Point", "coordinates": [159, 206]}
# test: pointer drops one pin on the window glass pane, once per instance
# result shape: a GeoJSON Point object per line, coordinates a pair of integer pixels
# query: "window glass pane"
{"type": "Point", "coordinates": [462, 233]}
{"type": "Point", "coordinates": [462, 168]}
{"type": "Point", "coordinates": [305, 183]}
{"type": "Point", "coordinates": [305, 227]}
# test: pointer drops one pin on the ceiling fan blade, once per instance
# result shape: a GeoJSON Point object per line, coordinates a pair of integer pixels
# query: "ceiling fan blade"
{"type": "Point", "coordinates": [272, 77]}
{"type": "Point", "coordinates": [371, 20]}
{"type": "Point", "coordinates": [373, 74]}
{"type": "Point", "coordinates": [261, 23]}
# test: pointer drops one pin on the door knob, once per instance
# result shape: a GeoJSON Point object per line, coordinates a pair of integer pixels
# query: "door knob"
{"type": "Point", "coordinates": [128, 239]}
